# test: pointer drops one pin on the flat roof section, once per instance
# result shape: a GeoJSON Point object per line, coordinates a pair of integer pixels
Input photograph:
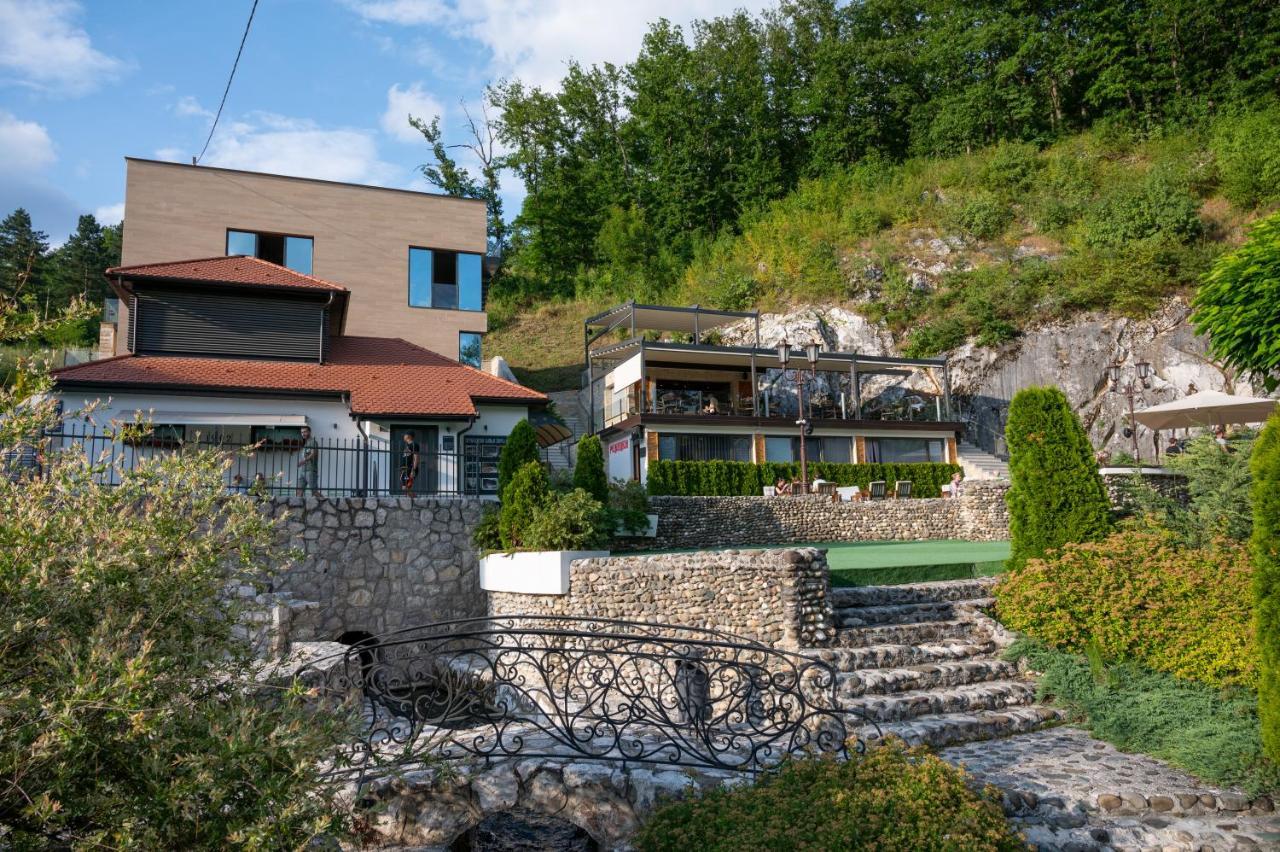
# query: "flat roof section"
{"type": "Point", "coordinates": [666, 318]}
{"type": "Point", "coordinates": [687, 354]}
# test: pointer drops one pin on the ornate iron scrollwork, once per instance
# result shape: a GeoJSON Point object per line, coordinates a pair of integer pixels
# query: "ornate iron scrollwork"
{"type": "Point", "coordinates": [582, 689]}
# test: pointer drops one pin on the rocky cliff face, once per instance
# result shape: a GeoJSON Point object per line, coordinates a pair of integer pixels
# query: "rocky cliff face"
{"type": "Point", "coordinates": [1073, 356]}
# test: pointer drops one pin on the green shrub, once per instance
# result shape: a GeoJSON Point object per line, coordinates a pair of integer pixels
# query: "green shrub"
{"type": "Point", "coordinates": [746, 479]}
{"type": "Point", "coordinates": [573, 521]}
{"type": "Point", "coordinates": [1265, 546]}
{"type": "Point", "coordinates": [524, 497]}
{"type": "Point", "coordinates": [1145, 598]}
{"type": "Point", "coordinates": [1012, 167]}
{"type": "Point", "coordinates": [1247, 150]}
{"type": "Point", "coordinates": [1213, 734]}
{"type": "Point", "coordinates": [588, 473]}
{"type": "Point", "coordinates": [487, 536]}
{"type": "Point", "coordinates": [1057, 495]}
{"type": "Point", "coordinates": [520, 449]}
{"type": "Point", "coordinates": [1160, 205]}
{"type": "Point", "coordinates": [888, 798]}
{"type": "Point", "coordinates": [629, 505]}
{"type": "Point", "coordinates": [984, 216]}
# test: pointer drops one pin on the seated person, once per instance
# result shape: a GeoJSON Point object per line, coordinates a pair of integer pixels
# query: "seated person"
{"type": "Point", "coordinates": [1174, 447]}
{"type": "Point", "coordinates": [956, 488]}
{"type": "Point", "coordinates": [712, 406]}
{"type": "Point", "coordinates": [782, 486]}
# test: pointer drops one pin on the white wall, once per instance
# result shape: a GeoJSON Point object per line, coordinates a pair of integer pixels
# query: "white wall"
{"type": "Point", "coordinates": [618, 458]}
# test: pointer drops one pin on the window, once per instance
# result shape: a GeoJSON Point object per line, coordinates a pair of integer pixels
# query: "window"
{"type": "Point", "coordinates": [906, 450]}
{"type": "Point", "coordinates": [778, 450]}
{"type": "Point", "coordinates": [469, 348]}
{"type": "Point", "coordinates": [281, 249]}
{"type": "Point", "coordinates": [704, 448]}
{"type": "Point", "coordinates": [480, 455]}
{"type": "Point", "coordinates": [277, 437]}
{"type": "Point", "coordinates": [168, 436]}
{"type": "Point", "coordinates": [445, 279]}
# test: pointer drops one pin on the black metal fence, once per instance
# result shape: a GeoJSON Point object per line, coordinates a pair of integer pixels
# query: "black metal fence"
{"type": "Point", "coordinates": [580, 688]}
{"type": "Point", "coordinates": [360, 467]}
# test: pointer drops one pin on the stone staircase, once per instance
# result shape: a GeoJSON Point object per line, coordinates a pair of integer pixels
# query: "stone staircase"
{"type": "Point", "coordinates": [923, 663]}
{"type": "Point", "coordinates": [562, 456]}
{"type": "Point", "coordinates": [979, 464]}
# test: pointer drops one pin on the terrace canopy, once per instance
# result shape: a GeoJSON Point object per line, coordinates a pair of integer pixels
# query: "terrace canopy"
{"type": "Point", "coordinates": [1206, 408]}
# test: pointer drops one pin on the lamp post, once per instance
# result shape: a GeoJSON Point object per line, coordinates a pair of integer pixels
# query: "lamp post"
{"type": "Point", "coordinates": [1134, 385]}
{"type": "Point", "coordinates": [784, 357]}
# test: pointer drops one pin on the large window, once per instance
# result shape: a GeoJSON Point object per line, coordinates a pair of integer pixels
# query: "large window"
{"type": "Point", "coordinates": [905, 450]}
{"type": "Point", "coordinates": [704, 448]}
{"type": "Point", "coordinates": [480, 463]}
{"type": "Point", "coordinates": [445, 279]}
{"type": "Point", "coordinates": [469, 348]}
{"type": "Point", "coordinates": [784, 449]}
{"type": "Point", "coordinates": [282, 249]}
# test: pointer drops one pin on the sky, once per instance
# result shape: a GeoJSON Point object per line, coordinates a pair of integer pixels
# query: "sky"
{"type": "Point", "coordinates": [324, 87]}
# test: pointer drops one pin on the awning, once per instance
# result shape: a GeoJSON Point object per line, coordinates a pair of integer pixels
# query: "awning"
{"type": "Point", "coordinates": [1206, 408]}
{"type": "Point", "coordinates": [549, 428]}
{"type": "Point", "coordinates": [204, 418]}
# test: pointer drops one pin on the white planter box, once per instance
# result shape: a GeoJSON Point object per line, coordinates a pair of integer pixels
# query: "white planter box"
{"type": "Point", "coordinates": [648, 532]}
{"type": "Point", "coordinates": [542, 572]}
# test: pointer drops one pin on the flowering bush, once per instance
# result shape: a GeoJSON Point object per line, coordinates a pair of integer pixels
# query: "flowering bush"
{"type": "Point", "coordinates": [889, 798]}
{"type": "Point", "coordinates": [1142, 597]}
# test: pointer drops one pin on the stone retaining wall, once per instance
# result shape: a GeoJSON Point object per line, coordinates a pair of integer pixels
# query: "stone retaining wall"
{"type": "Point", "coordinates": [376, 564]}
{"type": "Point", "coordinates": [1119, 486]}
{"type": "Point", "coordinates": [778, 597]}
{"type": "Point", "coordinates": [698, 522]}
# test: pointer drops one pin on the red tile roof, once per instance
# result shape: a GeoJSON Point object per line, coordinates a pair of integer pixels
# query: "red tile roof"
{"type": "Point", "coordinates": [236, 269]}
{"type": "Point", "coordinates": [383, 375]}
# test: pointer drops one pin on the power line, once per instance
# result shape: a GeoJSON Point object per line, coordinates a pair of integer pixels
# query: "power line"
{"type": "Point", "coordinates": [230, 77]}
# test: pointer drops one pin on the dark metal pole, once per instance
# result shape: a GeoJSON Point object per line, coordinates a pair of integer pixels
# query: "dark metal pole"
{"type": "Point", "coordinates": [802, 422]}
{"type": "Point", "coordinates": [1133, 426]}
{"type": "Point", "coordinates": [946, 387]}
{"type": "Point", "coordinates": [857, 390]}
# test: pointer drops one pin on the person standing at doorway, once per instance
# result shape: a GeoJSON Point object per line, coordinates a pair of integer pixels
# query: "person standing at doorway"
{"type": "Point", "coordinates": [409, 458]}
{"type": "Point", "coordinates": [308, 465]}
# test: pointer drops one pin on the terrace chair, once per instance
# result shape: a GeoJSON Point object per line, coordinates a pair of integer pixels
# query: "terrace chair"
{"type": "Point", "coordinates": [878, 489]}
{"type": "Point", "coordinates": [902, 489]}
{"type": "Point", "coordinates": [828, 489]}
{"type": "Point", "coordinates": [848, 492]}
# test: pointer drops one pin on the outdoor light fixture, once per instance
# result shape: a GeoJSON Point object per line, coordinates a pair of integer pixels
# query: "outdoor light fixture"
{"type": "Point", "coordinates": [812, 351]}
{"type": "Point", "coordinates": [1131, 389]}
{"type": "Point", "coordinates": [784, 353]}
{"type": "Point", "coordinates": [1113, 372]}
{"type": "Point", "coordinates": [1144, 370]}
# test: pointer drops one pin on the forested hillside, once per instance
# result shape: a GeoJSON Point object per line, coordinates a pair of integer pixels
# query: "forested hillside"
{"type": "Point", "coordinates": [951, 169]}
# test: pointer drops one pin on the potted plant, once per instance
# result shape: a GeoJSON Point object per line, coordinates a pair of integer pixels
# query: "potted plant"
{"type": "Point", "coordinates": [540, 533]}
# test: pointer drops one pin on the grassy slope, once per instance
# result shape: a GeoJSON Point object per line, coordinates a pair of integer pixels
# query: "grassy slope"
{"type": "Point", "coordinates": [1092, 222]}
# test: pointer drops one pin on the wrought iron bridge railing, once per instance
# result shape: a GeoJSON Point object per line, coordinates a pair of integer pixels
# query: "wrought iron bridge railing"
{"type": "Point", "coordinates": [579, 689]}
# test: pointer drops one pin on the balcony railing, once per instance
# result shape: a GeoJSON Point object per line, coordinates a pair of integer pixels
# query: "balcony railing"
{"type": "Point", "coordinates": [906, 407]}
{"type": "Point", "coordinates": [343, 468]}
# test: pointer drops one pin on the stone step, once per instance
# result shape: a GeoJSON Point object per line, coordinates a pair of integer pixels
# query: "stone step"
{"type": "Point", "coordinates": [931, 676]}
{"type": "Point", "coordinates": [898, 655]}
{"type": "Point", "coordinates": [899, 706]}
{"type": "Point", "coordinates": [949, 728]}
{"type": "Point", "coordinates": [937, 592]}
{"type": "Point", "coordinates": [910, 634]}
{"type": "Point", "coordinates": [912, 613]}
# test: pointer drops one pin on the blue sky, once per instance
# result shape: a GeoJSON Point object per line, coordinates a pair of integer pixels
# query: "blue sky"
{"type": "Point", "coordinates": [323, 88]}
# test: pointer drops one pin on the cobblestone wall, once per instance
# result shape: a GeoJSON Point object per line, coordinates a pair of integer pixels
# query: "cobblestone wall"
{"type": "Point", "coordinates": [1121, 485]}
{"type": "Point", "coordinates": [377, 564]}
{"type": "Point", "coordinates": [778, 597]}
{"type": "Point", "coordinates": [696, 522]}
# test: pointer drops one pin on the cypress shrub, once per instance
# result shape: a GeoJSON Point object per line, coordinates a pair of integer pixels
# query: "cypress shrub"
{"type": "Point", "coordinates": [1265, 545]}
{"type": "Point", "coordinates": [1057, 495]}
{"type": "Point", "coordinates": [527, 493]}
{"type": "Point", "coordinates": [520, 449]}
{"type": "Point", "coordinates": [588, 473]}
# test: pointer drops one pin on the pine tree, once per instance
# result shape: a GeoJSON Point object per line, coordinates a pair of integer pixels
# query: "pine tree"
{"type": "Point", "coordinates": [1057, 495]}
{"type": "Point", "coordinates": [589, 473]}
{"type": "Point", "coordinates": [520, 449]}
{"type": "Point", "coordinates": [22, 256]}
{"type": "Point", "coordinates": [75, 268]}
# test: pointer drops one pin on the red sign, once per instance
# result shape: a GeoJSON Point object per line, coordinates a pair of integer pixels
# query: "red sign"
{"type": "Point", "coordinates": [620, 446]}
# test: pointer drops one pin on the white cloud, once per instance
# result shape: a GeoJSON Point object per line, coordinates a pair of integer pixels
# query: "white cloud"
{"type": "Point", "coordinates": [535, 39]}
{"type": "Point", "coordinates": [43, 47]}
{"type": "Point", "coordinates": [110, 214]}
{"type": "Point", "coordinates": [24, 145]}
{"type": "Point", "coordinates": [187, 105]}
{"type": "Point", "coordinates": [265, 142]}
{"type": "Point", "coordinates": [402, 103]}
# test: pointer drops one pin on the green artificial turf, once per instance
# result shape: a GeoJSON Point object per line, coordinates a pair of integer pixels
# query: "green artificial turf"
{"type": "Point", "coordinates": [869, 563]}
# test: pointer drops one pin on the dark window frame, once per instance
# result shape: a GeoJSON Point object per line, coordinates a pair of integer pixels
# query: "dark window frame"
{"type": "Point", "coordinates": [283, 235]}
{"type": "Point", "coordinates": [480, 336]}
{"type": "Point", "coordinates": [457, 285]}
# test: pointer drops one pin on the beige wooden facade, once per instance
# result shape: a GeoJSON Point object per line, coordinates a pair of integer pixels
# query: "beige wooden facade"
{"type": "Point", "coordinates": [361, 234]}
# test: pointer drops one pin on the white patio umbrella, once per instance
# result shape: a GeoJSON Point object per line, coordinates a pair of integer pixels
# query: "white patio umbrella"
{"type": "Point", "coordinates": [1206, 408]}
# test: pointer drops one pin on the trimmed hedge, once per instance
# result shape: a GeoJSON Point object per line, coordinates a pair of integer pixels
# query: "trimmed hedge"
{"type": "Point", "coordinates": [747, 479]}
{"type": "Point", "coordinates": [1265, 545]}
{"type": "Point", "coordinates": [889, 798]}
{"type": "Point", "coordinates": [1144, 598]}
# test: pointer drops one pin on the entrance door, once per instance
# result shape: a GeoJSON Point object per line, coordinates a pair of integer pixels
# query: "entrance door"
{"type": "Point", "coordinates": [427, 479]}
